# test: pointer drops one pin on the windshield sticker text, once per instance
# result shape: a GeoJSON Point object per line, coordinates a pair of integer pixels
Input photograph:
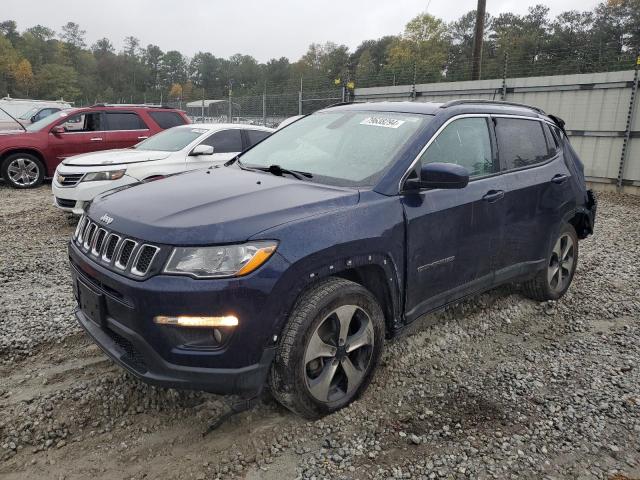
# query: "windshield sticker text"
{"type": "Point", "coordinates": [382, 122]}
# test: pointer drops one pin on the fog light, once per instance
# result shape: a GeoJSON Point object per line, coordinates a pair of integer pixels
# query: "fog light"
{"type": "Point", "coordinates": [197, 322]}
{"type": "Point", "coordinates": [217, 334]}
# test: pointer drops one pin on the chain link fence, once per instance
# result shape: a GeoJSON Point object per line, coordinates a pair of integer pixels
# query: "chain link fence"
{"type": "Point", "coordinates": [308, 94]}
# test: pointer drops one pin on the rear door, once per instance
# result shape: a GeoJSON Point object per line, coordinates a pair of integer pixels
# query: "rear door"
{"type": "Point", "coordinates": [453, 236]}
{"type": "Point", "coordinates": [537, 191]}
{"type": "Point", "coordinates": [226, 145]}
{"type": "Point", "coordinates": [84, 132]}
{"type": "Point", "coordinates": [125, 129]}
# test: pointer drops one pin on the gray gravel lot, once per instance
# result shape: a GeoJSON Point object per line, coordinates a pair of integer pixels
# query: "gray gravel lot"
{"type": "Point", "coordinates": [499, 387]}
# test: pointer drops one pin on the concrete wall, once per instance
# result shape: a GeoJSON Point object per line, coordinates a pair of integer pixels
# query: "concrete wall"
{"type": "Point", "coordinates": [594, 106]}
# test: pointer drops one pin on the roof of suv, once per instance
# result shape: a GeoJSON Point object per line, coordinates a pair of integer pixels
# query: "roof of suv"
{"type": "Point", "coordinates": [433, 108]}
{"type": "Point", "coordinates": [102, 107]}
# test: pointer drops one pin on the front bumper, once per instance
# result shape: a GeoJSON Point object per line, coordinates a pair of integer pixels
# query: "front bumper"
{"type": "Point", "coordinates": [75, 198]}
{"type": "Point", "coordinates": [132, 352]}
{"type": "Point", "coordinates": [173, 356]}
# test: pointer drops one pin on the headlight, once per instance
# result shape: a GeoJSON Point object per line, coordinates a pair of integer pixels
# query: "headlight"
{"type": "Point", "coordinates": [110, 175]}
{"type": "Point", "coordinates": [222, 261]}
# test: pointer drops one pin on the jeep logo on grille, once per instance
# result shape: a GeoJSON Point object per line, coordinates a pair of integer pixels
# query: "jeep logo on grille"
{"type": "Point", "coordinates": [106, 219]}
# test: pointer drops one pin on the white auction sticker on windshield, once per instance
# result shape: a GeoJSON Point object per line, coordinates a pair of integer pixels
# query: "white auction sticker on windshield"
{"type": "Point", "coordinates": [382, 122]}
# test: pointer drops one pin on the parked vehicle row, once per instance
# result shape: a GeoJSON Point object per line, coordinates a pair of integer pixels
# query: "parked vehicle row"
{"type": "Point", "coordinates": [289, 264]}
{"type": "Point", "coordinates": [28, 156]}
{"type": "Point", "coordinates": [17, 112]}
{"type": "Point", "coordinates": [79, 179]}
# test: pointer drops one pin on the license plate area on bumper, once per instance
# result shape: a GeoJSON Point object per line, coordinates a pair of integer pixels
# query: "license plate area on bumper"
{"type": "Point", "coordinates": [91, 303]}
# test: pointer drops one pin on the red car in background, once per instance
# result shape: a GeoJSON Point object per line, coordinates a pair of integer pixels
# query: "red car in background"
{"type": "Point", "coordinates": [28, 156]}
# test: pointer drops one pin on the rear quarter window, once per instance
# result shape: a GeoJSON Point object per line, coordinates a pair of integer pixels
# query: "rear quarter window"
{"type": "Point", "coordinates": [167, 119]}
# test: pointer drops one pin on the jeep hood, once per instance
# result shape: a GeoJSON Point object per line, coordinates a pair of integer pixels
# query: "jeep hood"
{"type": "Point", "coordinates": [216, 205]}
{"type": "Point", "coordinates": [115, 157]}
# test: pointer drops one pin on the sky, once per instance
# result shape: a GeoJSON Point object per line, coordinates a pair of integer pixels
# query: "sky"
{"type": "Point", "coordinates": [262, 28]}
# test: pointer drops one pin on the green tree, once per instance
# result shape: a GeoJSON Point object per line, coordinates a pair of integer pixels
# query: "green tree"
{"type": "Point", "coordinates": [102, 47]}
{"type": "Point", "coordinates": [23, 75]}
{"type": "Point", "coordinates": [57, 81]}
{"type": "Point", "coordinates": [8, 61]}
{"type": "Point", "coordinates": [423, 46]}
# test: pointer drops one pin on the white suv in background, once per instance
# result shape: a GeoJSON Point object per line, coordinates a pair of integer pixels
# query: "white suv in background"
{"type": "Point", "coordinates": [79, 179]}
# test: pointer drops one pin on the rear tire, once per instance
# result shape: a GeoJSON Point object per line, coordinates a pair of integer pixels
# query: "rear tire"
{"type": "Point", "coordinates": [329, 350]}
{"type": "Point", "coordinates": [23, 170]}
{"type": "Point", "coordinates": [552, 282]}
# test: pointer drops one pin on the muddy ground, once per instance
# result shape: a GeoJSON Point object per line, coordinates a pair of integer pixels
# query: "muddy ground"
{"type": "Point", "coordinates": [499, 387]}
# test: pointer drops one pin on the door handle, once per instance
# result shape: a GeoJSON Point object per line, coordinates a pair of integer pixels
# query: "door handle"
{"type": "Point", "coordinates": [96, 139]}
{"type": "Point", "coordinates": [560, 178]}
{"type": "Point", "coordinates": [493, 196]}
{"type": "Point", "coordinates": [142, 138]}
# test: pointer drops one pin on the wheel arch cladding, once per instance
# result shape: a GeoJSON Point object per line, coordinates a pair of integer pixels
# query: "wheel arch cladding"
{"type": "Point", "coordinates": [375, 279]}
{"type": "Point", "coordinates": [375, 272]}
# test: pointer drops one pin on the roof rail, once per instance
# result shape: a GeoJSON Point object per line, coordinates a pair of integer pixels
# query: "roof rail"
{"type": "Point", "coordinates": [341, 104]}
{"type": "Point", "coordinates": [453, 103]}
{"type": "Point", "coordinates": [146, 105]}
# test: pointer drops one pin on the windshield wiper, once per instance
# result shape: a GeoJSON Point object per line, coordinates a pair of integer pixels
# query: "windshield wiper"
{"type": "Point", "coordinates": [235, 159]}
{"type": "Point", "coordinates": [278, 171]}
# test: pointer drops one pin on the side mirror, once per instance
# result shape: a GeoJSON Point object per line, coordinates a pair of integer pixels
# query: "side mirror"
{"type": "Point", "coordinates": [34, 119]}
{"type": "Point", "coordinates": [440, 175]}
{"type": "Point", "coordinates": [202, 150]}
{"type": "Point", "coordinates": [58, 129]}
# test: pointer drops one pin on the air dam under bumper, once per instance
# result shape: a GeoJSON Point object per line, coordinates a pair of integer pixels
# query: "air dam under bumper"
{"type": "Point", "coordinates": [133, 353]}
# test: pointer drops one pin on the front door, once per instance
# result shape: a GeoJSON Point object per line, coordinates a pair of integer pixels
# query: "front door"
{"type": "Point", "coordinates": [83, 133]}
{"type": "Point", "coordinates": [454, 236]}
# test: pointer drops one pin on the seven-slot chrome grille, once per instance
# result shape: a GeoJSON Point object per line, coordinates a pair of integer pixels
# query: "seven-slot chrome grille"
{"type": "Point", "coordinates": [120, 253]}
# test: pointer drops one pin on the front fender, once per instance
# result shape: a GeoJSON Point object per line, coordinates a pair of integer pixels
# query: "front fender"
{"type": "Point", "coordinates": [370, 233]}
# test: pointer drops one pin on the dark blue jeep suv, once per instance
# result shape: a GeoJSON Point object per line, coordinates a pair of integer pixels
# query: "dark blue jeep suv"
{"type": "Point", "coordinates": [289, 265]}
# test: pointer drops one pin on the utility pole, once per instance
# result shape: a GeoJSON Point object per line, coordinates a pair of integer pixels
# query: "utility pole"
{"type": "Point", "coordinates": [477, 39]}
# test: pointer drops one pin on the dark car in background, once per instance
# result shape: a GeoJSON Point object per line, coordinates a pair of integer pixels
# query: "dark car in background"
{"type": "Point", "coordinates": [27, 157]}
{"type": "Point", "coordinates": [291, 265]}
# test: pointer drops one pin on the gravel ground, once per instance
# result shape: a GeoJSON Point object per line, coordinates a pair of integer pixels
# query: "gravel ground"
{"type": "Point", "coordinates": [496, 387]}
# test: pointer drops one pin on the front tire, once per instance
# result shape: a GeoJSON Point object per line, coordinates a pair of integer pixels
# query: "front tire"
{"type": "Point", "coordinates": [329, 350]}
{"type": "Point", "coordinates": [552, 282]}
{"type": "Point", "coordinates": [23, 170]}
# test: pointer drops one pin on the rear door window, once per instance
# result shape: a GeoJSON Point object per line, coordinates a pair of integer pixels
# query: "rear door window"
{"type": "Point", "coordinates": [521, 143]}
{"type": "Point", "coordinates": [227, 141]}
{"type": "Point", "coordinates": [255, 136]}
{"type": "Point", "coordinates": [167, 119]}
{"type": "Point", "coordinates": [465, 142]}
{"type": "Point", "coordinates": [124, 121]}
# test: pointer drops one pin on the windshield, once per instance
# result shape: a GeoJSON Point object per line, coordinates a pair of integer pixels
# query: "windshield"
{"type": "Point", "coordinates": [46, 121]}
{"type": "Point", "coordinates": [348, 148]}
{"type": "Point", "coordinates": [172, 140]}
{"type": "Point", "coordinates": [30, 113]}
